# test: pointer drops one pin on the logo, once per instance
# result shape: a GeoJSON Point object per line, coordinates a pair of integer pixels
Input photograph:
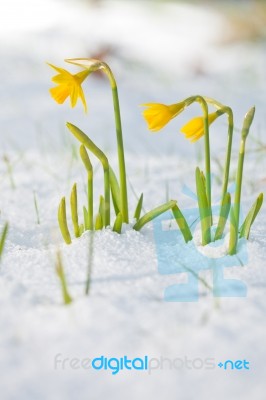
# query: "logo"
{"type": "Point", "coordinates": [230, 365]}
{"type": "Point", "coordinates": [190, 259]}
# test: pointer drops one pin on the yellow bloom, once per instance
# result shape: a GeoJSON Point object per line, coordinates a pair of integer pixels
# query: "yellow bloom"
{"type": "Point", "coordinates": [194, 129]}
{"type": "Point", "coordinates": [68, 85]}
{"type": "Point", "coordinates": [158, 115]}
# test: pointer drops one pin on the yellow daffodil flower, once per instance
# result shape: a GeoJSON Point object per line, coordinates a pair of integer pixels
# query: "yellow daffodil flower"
{"type": "Point", "coordinates": [194, 129]}
{"type": "Point", "coordinates": [158, 115]}
{"type": "Point", "coordinates": [68, 85]}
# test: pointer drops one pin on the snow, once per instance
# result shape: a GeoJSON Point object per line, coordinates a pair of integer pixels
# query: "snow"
{"type": "Point", "coordinates": [125, 312]}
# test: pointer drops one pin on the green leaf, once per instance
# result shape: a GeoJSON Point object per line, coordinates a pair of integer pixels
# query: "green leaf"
{"type": "Point", "coordinates": [224, 212]}
{"type": "Point", "coordinates": [101, 207]}
{"type": "Point", "coordinates": [3, 239]}
{"type": "Point", "coordinates": [61, 275]}
{"type": "Point", "coordinates": [115, 191]}
{"type": "Point", "coordinates": [62, 220]}
{"type": "Point", "coordinates": [138, 208]}
{"type": "Point", "coordinates": [204, 209]}
{"type": "Point", "coordinates": [85, 218]}
{"type": "Point", "coordinates": [118, 223]}
{"type": "Point", "coordinates": [74, 210]}
{"type": "Point", "coordinates": [182, 223]}
{"type": "Point", "coordinates": [98, 222]}
{"type": "Point", "coordinates": [250, 218]}
{"type": "Point", "coordinates": [149, 216]}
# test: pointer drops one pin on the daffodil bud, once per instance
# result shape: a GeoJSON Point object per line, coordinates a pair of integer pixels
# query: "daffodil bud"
{"type": "Point", "coordinates": [247, 122]}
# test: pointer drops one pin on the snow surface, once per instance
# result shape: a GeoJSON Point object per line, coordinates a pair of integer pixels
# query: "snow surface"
{"type": "Point", "coordinates": [156, 56]}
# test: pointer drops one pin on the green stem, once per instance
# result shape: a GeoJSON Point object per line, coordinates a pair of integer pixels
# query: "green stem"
{"type": "Point", "coordinates": [236, 210]}
{"type": "Point", "coordinates": [94, 65]}
{"type": "Point", "coordinates": [204, 107]}
{"type": "Point", "coordinates": [120, 146]}
{"type": "Point", "coordinates": [87, 163]}
{"type": "Point", "coordinates": [205, 110]}
{"type": "Point", "coordinates": [239, 177]}
{"type": "Point", "coordinates": [228, 111]}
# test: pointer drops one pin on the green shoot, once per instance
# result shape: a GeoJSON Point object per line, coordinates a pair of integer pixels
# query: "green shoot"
{"type": "Point", "coordinates": [101, 207]}
{"type": "Point", "coordinates": [182, 223]}
{"type": "Point", "coordinates": [74, 210]}
{"type": "Point", "coordinates": [204, 209]}
{"type": "Point", "coordinates": [138, 208]}
{"type": "Point", "coordinates": [149, 216]}
{"type": "Point", "coordinates": [224, 212]}
{"type": "Point", "coordinates": [3, 239]}
{"type": "Point", "coordinates": [118, 223]}
{"type": "Point", "coordinates": [115, 190]}
{"type": "Point", "coordinates": [250, 218]}
{"type": "Point", "coordinates": [85, 218]}
{"type": "Point", "coordinates": [61, 275]}
{"type": "Point", "coordinates": [62, 220]}
{"type": "Point", "coordinates": [98, 222]}
{"type": "Point", "coordinates": [86, 141]}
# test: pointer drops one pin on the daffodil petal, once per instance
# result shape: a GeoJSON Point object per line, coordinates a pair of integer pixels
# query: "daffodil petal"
{"type": "Point", "coordinates": [74, 95]}
{"type": "Point", "coordinates": [58, 69]}
{"type": "Point", "coordinates": [82, 97]}
{"type": "Point", "coordinates": [59, 93]}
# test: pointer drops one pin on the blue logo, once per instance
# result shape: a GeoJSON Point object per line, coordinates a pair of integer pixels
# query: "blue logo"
{"type": "Point", "coordinates": [238, 364]}
{"type": "Point", "coordinates": [117, 364]}
{"type": "Point", "coordinates": [177, 257]}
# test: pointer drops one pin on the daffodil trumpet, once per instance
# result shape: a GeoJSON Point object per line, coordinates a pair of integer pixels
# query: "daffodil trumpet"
{"type": "Point", "coordinates": [157, 115]}
{"type": "Point", "coordinates": [92, 65]}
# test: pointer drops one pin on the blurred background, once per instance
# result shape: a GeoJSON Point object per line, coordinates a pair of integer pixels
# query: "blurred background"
{"type": "Point", "coordinates": [160, 51]}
